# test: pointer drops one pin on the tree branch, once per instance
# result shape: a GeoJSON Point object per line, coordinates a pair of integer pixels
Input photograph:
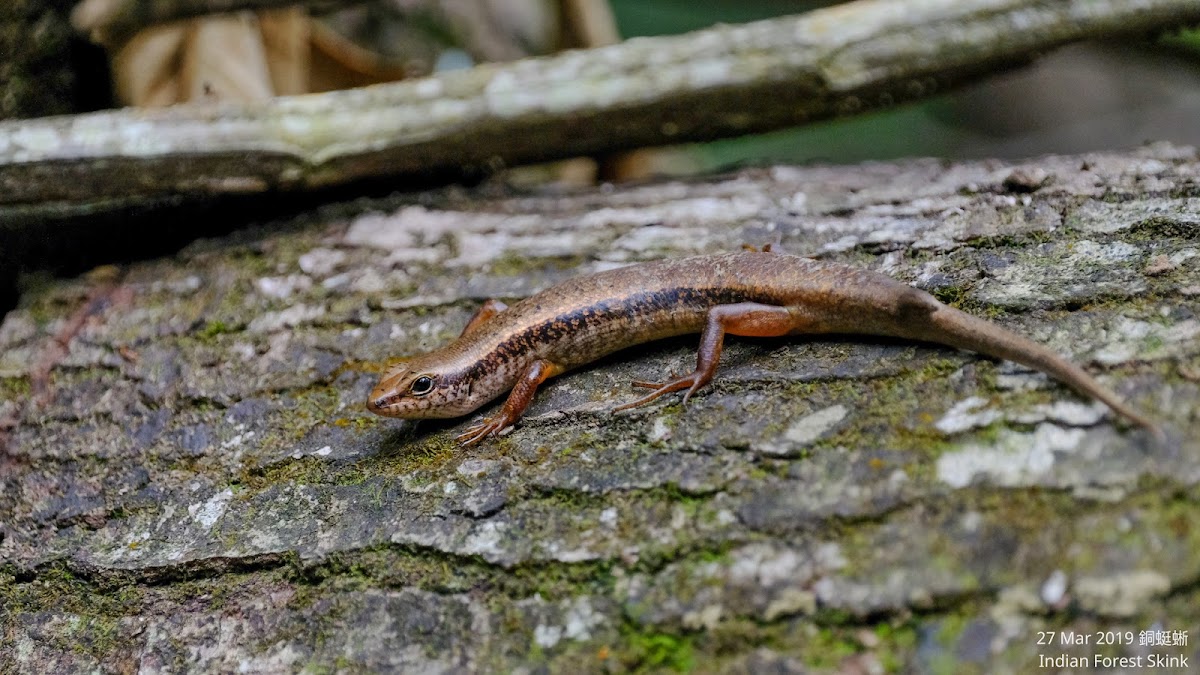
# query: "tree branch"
{"type": "Point", "coordinates": [724, 81]}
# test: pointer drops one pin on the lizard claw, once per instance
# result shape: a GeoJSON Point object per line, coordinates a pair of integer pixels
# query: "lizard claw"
{"type": "Point", "coordinates": [485, 428]}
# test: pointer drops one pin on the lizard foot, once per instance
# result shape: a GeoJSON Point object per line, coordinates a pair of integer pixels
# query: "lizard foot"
{"type": "Point", "coordinates": [485, 428]}
{"type": "Point", "coordinates": [691, 382]}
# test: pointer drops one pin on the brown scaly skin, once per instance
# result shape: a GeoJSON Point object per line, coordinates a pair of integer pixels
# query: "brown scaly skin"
{"type": "Point", "coordinates": [754, 294]}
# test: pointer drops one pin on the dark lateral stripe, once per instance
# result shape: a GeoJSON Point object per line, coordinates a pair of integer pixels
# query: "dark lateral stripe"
{"type": "Point", "coordinates": [628, 310]}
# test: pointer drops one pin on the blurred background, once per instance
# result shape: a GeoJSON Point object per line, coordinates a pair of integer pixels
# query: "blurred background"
{"type": "Point", "coordinates": [1077, 99]}
{"type": "Point", "coordinates": [1081, 98]}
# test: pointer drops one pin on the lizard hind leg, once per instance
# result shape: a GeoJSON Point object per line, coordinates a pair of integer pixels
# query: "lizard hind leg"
{"type": "Point", "coordinates": [748, 319]}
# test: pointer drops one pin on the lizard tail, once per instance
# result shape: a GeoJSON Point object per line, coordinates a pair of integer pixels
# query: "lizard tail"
{"type": "Point", "coordinates": [950, 326]}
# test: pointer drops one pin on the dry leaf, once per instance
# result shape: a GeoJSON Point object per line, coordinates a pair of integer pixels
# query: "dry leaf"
{"type": "Point", "coordinates": [91, 17]}
{"type": "Point", "coordinates": [587, 23]}
{"type": "Point", "coordinates": [224, 60]}
{"type": "Point", "coordinates": [286, 35]}
{"type": "Point", "coordinates": [145, 69]}
{"type": "Point", "coordinates": [243, 58]}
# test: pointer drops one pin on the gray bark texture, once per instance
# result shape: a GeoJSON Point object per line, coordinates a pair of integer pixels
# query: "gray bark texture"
{"type": "Point", "coordinates": [203, 491]}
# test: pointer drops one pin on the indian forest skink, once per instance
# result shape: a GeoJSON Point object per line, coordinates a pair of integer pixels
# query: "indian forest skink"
{"type": "Point", "coordinates": [761, 294]}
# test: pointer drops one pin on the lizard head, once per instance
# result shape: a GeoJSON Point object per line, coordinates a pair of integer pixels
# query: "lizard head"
{"type": "Point", "coordinates": [419, 389]}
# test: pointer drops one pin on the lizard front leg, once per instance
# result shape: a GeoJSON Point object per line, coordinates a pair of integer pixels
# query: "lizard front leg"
{"type": "Point", "coordinates": [522, 395]}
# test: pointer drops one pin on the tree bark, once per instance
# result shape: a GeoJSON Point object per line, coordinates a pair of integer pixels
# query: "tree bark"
{"type": "Point", "coordinates": [203, 490]}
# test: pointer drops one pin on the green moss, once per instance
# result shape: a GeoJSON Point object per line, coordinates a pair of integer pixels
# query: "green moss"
{"type": "Point", "coordinates": [304, 471]}
{"type": "Point", "coordinates": [829, 647]}
{"type": "Point", "coordinates": [950, 630]}
{"type": "Point", "coordinates": [15, 388]}
{"type": "Point", "coordinates": [1152, 342]}
{"type": "Point", "coordinates": [945, 663]}
{"type": "Point", "coordinates": [510, 264]}
{"type": "Point", "coordinates": [1016, 240]}
{"type": "Point", "coordinates": [898, 416]}
{"type": "Point", "coordinates": [97, 636]}
{"type": "Point", "coordinates": [56, 586]}
{"type": "Point", "coordinates": [1158, 228]}
{"type": "Point", "coordinates": [719, 556]}
{"type": "Point", "coordinates": [952, 295]}
{"type": "Point", "coordinates": [648, 651]}
{"type": "Point", "coordinates": [896, 642]}
{"type": "Point", "coordinates": [431, 454]}
{"type": "Point", "coordinates": [214, 328]}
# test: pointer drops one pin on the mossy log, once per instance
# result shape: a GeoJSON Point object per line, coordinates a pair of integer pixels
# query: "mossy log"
{"type": "Point", "coordinates": [197, 486]}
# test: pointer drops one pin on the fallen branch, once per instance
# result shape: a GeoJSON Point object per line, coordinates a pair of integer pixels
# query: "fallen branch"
{"type": "Point", "coordinates": [724, 81]}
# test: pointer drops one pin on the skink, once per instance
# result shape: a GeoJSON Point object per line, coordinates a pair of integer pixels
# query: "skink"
{"type": "Point", "coordinates": [761, 294]}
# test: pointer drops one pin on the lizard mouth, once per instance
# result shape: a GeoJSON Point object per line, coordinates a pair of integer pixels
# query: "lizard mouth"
{"type": "Point", "coordinates": [381, 403]}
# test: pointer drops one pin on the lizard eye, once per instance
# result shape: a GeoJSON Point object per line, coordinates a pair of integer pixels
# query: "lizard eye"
{"type": "Point", "coordinates": [421, 386]}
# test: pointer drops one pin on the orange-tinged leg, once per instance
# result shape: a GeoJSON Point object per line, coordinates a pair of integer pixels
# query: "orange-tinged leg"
{"type": "Point", "coordinates": [522, 394]}
{"type": "Point", "coordinates": [486, 311]}
{"type": "Point", "coordinates": [749, 319]}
